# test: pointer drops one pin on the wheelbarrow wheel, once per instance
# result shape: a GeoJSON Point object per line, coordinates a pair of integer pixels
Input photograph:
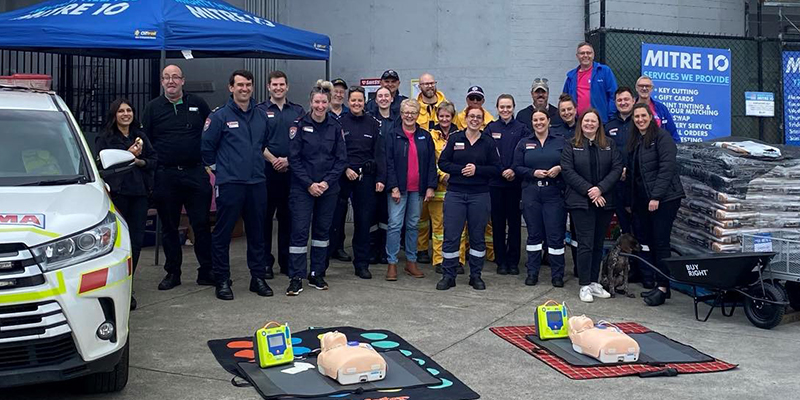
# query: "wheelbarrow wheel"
{"type": "Point", "coordinates": [761, 314]}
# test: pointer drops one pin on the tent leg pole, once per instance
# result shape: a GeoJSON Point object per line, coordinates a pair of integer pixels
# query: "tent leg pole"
{"type": "Point", "coordinates": [161, 65]}
{"type": "Point", "coordinates": [327, 70]}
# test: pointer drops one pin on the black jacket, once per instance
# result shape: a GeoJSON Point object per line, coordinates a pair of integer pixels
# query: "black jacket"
{"type": "Point", "coordinates": [458, 152]}
{"type": "Point", "coordinates": [397, 159]}
{"type": "Point", "coordinates": [139, 180]}
{"type": "Point", "coordinates": [658, 170]}
{"type": "Point", "coordinates": [576, 168]}
{"type": "Point", "coordinates": [526, 114]}
{"type": "Point", "coordinates": [365, 145]}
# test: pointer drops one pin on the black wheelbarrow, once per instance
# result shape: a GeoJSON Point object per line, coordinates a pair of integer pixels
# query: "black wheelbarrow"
{"type": "Point", "coordinates": [731, 279]}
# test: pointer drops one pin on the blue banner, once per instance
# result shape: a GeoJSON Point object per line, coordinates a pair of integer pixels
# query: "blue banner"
{"type": "Point", "coordinates": [694, 83]}
{"type": "Point", "coordinates": [791, 97]}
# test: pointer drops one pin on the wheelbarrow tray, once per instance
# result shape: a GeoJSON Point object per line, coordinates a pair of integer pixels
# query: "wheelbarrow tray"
{"type": "Point", "coordinates": [718, 271]}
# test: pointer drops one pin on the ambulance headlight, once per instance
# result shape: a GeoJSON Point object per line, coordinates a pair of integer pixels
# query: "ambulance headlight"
{"type": "Point", "coordinates": [91, 243]}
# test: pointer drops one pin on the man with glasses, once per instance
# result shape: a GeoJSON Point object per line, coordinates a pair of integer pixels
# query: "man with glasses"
{"type": "Point", "coordinates": [540, 94]}
{"type": "Point", "coordinates": [475, 98]}
{"type": "Point", "coordinates": [429, 100]}
{"type": "Point", "coordinates": [644, 88]}
{"type": "Point", "coordinates": [591, 84]}
{"type": "Point", "coordinates": [174, 124]}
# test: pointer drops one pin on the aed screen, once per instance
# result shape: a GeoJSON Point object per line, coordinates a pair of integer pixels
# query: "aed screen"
{"type": "Point", "coordinates": [275, 341]}
{"type": "Point", "coordinates": [554, 316]}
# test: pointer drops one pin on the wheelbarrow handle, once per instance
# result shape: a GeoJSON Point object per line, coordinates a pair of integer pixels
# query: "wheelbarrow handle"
{"type": "Point", "coordinates": [653, 267]}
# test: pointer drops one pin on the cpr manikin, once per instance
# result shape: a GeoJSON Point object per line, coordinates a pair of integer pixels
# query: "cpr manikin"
{"type": "Point", "coordinates": [605, 342]}
{"type": "Point", "coordinates": [349, 363]}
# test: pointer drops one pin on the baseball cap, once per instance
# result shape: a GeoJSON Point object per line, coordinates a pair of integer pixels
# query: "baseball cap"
{"type": "Point", "coordinates": [390, 74]}
{"type": "Point", "coordinates": [540, 83]}
{"type": "Point", "coordinates": [339, 82]}
{"type": "Point", "coordinates": [475, 90]}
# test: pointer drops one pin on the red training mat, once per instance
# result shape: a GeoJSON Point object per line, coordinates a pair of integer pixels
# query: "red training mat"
{"type": "Point", "coordinates": [516, 336]}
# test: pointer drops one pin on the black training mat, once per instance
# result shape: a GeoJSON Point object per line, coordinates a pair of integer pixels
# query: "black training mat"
{"type": "Point", "coordinates": [402, 372]}
{"type": "Point", "coordinates": [654, 349]}
{"type": "Point", "coordinates": [432, 381]}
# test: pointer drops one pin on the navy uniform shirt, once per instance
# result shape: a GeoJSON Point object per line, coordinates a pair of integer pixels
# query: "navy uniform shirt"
{"type": "Point", "coordinates": [506, 136]}
{"type": "Point", "coordinates": [526, 114]}
{"type": "Point", "coordinates": [394, 108]}
{"type": "Point", "coordinates": [279, 121]}
{"type": "Point", "coordinates": [176, 129]}
{"type": "Point", "coordinates": [234, 140]}
{"type": "Point", "coordinates": [619, 129]}
{"type": "Point", "coordinates": [459, 152]}
{"type": "Point", "coordinates": [317, 152]}
{"type": "Point", "coordinates": [531, 155]}
{"type": "Point", "coordinates": [362, 135]}
{"type": "Point", "coordinates": [567, 132]}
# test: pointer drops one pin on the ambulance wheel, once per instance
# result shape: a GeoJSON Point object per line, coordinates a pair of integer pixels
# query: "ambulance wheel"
{"type": "Point", "coordinates": [109, 381]}
{"type": "Point", "coordinates": [793, 292]}
{"type": "Point", "coordinates": [761, 314]}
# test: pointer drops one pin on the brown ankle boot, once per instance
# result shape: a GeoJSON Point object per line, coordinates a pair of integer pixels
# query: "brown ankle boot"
{"type": "Point", "coordinates": [391, 272]}
{"type": "Point", "coordinates": [411, 269]}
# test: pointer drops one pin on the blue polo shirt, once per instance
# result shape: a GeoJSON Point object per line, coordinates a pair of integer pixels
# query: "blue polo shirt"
{"type": "Point", "coordinates": [506, 135]}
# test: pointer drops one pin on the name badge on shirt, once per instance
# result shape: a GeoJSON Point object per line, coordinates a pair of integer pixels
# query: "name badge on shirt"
{"type": "Point", "coordinates": [233, 124]}
{"type": "Point", "coordinates": [497, 135]}
{"type": "Point", "coordinates": [194, 109]}
{"type": "Point", "coordinates": [421, 137]}
{"type": "Point", "coordinates": [270, 114]}
{"type": "Point", "coordinates": [458, 146]}
{"type": "Point", "coordinates": [368, 136]}
{"type": "Point", "coordinates": [308, 129]}
{"type": "Point", "coordinates": [530, 146]}
{"type": "Point", "coordinates": [613, 132]}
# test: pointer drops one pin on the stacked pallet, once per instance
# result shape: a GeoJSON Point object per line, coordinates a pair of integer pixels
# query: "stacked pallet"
{"type": "Point", "coordinates": [734, 188]}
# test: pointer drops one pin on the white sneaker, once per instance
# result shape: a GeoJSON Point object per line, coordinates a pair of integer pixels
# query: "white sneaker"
{"type": "Point", "coordinates": [598, 291]}
{"type": "Point", "coordinates": [586, 294]}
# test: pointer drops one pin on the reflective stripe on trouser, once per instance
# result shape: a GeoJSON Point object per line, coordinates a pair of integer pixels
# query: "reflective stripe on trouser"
{"type": "Point", "coordinates": [437, 225]}
{"type": "Point", "coordinates": [316, 214]}
{"type": "Point", "coordinates": [472, 210]}
{"type": "Point", "coordinates": [249, 202]}
{"type": "Point", "coordinates": [543, 209]}
{"type": "Point", "coordinates": [424, 228]}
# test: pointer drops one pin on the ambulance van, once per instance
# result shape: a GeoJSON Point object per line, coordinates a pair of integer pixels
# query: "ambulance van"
{"type": "Point", "coordinates": [65, 254]}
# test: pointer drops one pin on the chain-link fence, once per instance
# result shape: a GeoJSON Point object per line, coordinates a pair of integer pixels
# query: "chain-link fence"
{"type": "Point", "coordinates": [755, 67]}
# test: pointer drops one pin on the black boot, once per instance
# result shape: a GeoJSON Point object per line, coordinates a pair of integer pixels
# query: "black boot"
{"type": "Point", "coordinates": [169, 282]}
{"type": "Point", "coordinates": [341, 255]}
{"type": "Point", "coordinates": [423, 257]}
{"type": "Point", "coordinates": [260, 287]}
{"type": "Point", "coordinates": [224, 291]}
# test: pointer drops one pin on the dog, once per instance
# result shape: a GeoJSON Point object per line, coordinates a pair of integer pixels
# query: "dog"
{"type": "Point", "coordinates": [615, 268]}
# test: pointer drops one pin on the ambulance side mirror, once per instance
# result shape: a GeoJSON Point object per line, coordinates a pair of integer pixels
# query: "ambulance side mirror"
{"type": "Point", "coordinates": [111, 158]}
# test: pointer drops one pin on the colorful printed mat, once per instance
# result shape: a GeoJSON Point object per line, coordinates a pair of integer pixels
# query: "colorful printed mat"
{"type": "Point", "coordinates": [516, 335]}
{"type": "Point", "coordinates": [230, 352]}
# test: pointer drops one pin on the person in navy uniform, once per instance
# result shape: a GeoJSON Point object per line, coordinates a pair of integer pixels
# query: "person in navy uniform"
{"type": "Point", "coordinates": [337, 110]}
{"type": "Point", "coordinates": [472, 160]}
{"type": "Point", "coordinates": [234, 138]}
{"type": "Point", "coordinates": [384, 115]}
{"type": "Point", "coordinates": [364, 176]}
{"type": "Point", "coordinates": [537, 162]}
{"type": "Point", "coordinates": [505, 190]}
{"type": "Point", "coordinates": [591, 167]}
{"type": "Point", "coordinates": [281, 114]}
{"type": "Point", "coordinates": [317, 159]}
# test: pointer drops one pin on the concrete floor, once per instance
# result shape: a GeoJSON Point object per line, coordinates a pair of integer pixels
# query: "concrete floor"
{"type": "Point", "coordinates": [170, 359]}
